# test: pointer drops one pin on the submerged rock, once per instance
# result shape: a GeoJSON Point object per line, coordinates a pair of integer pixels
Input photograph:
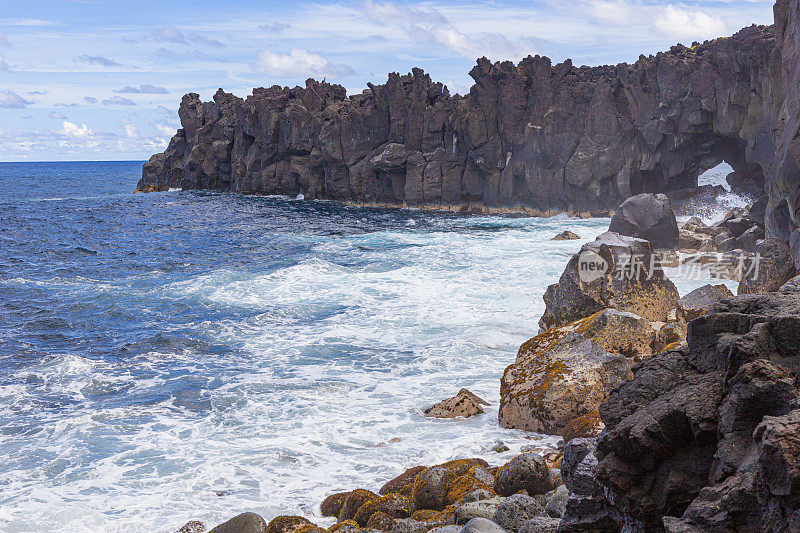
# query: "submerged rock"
{"type": "Point", "coordinates": [566, 235]}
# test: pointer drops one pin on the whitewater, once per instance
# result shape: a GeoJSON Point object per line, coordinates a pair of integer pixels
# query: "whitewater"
{"type": "Point", "coordinates": [193, 355]}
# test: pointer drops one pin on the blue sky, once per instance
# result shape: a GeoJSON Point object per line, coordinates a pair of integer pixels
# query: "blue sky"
{"type": "Point", "coordinates": [95, 79]}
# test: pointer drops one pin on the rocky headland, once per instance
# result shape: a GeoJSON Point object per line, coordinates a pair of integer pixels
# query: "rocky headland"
{"type": "Point", "coordinates": [532, 136]}
{"type": "Point", "coordinates": [679, 413]}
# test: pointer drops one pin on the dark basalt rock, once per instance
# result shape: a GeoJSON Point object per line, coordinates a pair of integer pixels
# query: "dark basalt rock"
{"type": "Point", "coordinates": [649, 217]}
{"type": "Point", "coordinates": [769, 270]}
{"type": "Point", "coordinates": [532, 136]}
{"type": "Point", "coordinates": [707, 437]}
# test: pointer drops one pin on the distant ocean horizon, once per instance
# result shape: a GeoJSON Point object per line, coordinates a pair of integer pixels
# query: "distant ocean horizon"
{"type": "Point", "coordinates": [193, 354]}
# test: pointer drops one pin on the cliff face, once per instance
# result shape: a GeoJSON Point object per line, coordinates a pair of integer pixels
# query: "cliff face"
{"type": "Point", "coordinates": [533, 135]}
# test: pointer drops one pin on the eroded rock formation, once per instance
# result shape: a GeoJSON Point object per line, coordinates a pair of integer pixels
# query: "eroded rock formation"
{"type": "Point", "coordinates": [532, 135]}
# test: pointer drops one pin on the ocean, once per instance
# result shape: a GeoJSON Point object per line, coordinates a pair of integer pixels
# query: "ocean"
{"type": "Point", "coordinates": [193, 355]}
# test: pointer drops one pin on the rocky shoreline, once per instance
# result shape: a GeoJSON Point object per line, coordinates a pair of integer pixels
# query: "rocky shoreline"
{"type": "Point", "coordinates": [678, 414]}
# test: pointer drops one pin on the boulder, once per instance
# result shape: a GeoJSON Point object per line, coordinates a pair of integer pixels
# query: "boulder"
{"type": "Point", "coordinates": [700, 300]}
{"type": "Point", "coordinates": [649, 217]}
{"type": "Point", "coordinates": [566, 235]}
{"type": "Point", "coordinates": [352, 503]}
{"type": "Point", "coordinates": [464, 404]}
{"type": "Point", "coordinates": [485, 508]}
{"type": "Point", "coordinates": [769, 270]}
{"type": "Point", "coordinates": [431, 487]}
{"type": "Point", "coordinates": [332, 505]}
{"type": "Point", "coordinates": [619, 332]}
{"type": "Point", "coordinates": [616, 272]}
{"type": "Point", "coordinates": [380, 521]}
{"type": "Point", "coordinates": [558, 376]}
{"type": "Point", "coordinates": [464, 485]}
{"type": "Point", "coordinates": [557, 502]}
{"type": "Point", "coordinates": [528, 472]}
{"type": "Point", "coordinates": [193, 526]}
{"type": "Point", "coordinates": [482, 475]}
{"type": "Point", "coordinates": [401, 484]}
{"type": "Point", "coordinates": [409, 525]}
{"type": "Point", "coordinates": [514, 511]}
{"type": "Point", "coordinates": [750, 239]}
{"type": "Point", "coordinates": [392, 505]}
{"type": "Point", "coordinates": [541, 524]}
{"type": "Point", "coordinates": [669, 335]}
{"type": "Point", "coordinates": [244, 523]}
{"type": "Point", "coordinates": [481, 525]}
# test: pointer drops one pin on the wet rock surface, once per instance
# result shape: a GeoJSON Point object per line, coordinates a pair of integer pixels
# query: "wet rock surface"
{"type": "Point", "coordinates": [464, 404]}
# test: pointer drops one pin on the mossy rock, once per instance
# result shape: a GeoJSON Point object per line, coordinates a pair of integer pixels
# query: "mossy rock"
{"type": "Point", "coordinates": [425, 515]}
{"type": "Point", "coordinates": [380, 521]}
{"type": "Point", "coordinates": [345, 526]}
{"type": "Point", "coordinates": [394, 505]}
{"type": "Point", "coordinates": [355, 499]}
{"type": "Point", "coordinates": [309, 528]}
{"type": "Point", "coordinates": [528, 472]}
{"type": "Point", "coordinates": [588, 425]}
{"type": "Point", "coordinates": [461, 467]}
{"type": "Point", "coordinates": [462, 486]}
{"type": "Point", "coordinates": [482, 474]}
{"type": "Point", "coordinates": [402, 484]}
{"type": "Point", "coordinates": [332, 505]}
{"type": "Point", "coordinates": [286, 524]}
{"type": "Point", "coordinates": [431, 487]}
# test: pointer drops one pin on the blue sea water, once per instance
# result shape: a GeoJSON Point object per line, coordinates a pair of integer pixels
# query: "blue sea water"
{"type": "Point", "coordinates": [193, 355]}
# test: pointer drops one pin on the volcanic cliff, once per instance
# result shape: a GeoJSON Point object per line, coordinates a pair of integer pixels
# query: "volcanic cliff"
{"type": "Point", "coordinates": [532, 136]}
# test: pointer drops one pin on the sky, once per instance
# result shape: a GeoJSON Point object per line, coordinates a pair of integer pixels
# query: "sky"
{"type": "Point", "coordinates": [102, 79]}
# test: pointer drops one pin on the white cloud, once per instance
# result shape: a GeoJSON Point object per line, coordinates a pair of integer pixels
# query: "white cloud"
{"type": "Point", "coordinates": [70, 129]}
{"type": "Point", "coordinates": [1, 127]}
{"type": "Point", "coordinates": [143, 89]}
{"type": "Point", "coordinates": [3, 43]}
{"type": "Point", "coordinates": [57, 115]}
{"type": "Point", "coordinates": [298, 63]}
{"type": "Point", "coordinates": [161, 110]}
{"type": "Point", "coordinates": [165, 130]}
{"type": "Point", "coordinates": [171, 34]}
{"type": "Point", "coordinates": [389, 14]}
{"type": "Point", "coordinates": [613, 12]}
{"type": "Point", "coordinates": [11, 100]}
{"type": "Point", "coordinates": [679, 23]}
{"type": "Point", "coordinates": [130, 128]}
{"type": "Point", "coordinates": [118, 100]}
{"type": "Point", "coordinates": [99, 61]}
